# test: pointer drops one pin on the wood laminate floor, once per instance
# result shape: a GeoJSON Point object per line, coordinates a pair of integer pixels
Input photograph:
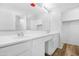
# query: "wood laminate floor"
{"type": "Point", "coordinates": [68, 50]}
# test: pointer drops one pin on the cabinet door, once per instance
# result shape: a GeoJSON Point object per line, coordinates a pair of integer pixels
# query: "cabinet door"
{"type": "Point", "coordinates": [52, 44]}
{"type": "Point", "coordinates": [26, 53]}
{"type": "Point", "coordinates": [56, 41]}
{"type": "Point", "coordinates": [15, 49]}
{"type": "Point", "coordinates": [38, 47]}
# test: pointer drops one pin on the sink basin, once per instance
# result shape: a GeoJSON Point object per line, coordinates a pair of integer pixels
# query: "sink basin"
{"type": "Point", "coordinates": [27, 35]}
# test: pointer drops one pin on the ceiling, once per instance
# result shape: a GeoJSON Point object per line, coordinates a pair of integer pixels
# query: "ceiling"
{"type": "Point", "coordinates": [66, 6]}
{"type": "Point", "coordinates": [25, 8]}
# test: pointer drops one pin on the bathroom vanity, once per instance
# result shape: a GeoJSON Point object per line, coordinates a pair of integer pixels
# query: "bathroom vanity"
{"type": "Point", "coordinates": [29, 45]}
{"type": "Point", "coordinates": [43, 37]}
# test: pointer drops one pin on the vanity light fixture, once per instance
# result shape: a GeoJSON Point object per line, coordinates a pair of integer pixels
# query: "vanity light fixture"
{"type": "Point", "coordinates": [33, 4]}
{"type": "Point", "coordinates": [47, 7]}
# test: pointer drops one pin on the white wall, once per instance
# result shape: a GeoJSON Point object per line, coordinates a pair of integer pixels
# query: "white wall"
{"type": "Point", "coordinates": [70, 32]}
{"type": "Point", "coordinates": [72, 14]}
{"type": "Point", "coordinates": [70, 29]}
{"type": "Point", "coordinates": [52, 21]}
{"type": "Point", "coordinates": [8, 19]}
{"type": "Point", "coordinates": [55, 23]}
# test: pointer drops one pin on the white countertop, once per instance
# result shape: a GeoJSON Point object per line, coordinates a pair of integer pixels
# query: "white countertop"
{"type": "Point", "coordinates": [14, 39]}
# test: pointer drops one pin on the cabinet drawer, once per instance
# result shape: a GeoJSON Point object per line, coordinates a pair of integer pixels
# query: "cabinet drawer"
{"type": "Point", "coordinates": [47, 38]}
{"type": "Point", "coordinates": [25, 53]}
{"type": "Point", "coordinates": [15, 49]}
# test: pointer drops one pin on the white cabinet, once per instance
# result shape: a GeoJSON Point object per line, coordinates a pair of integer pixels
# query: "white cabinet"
{"type": "Point", "coordinates": [17, 49]}
{"type": "Point", "coordinates": [34, 47]}
{"type": "Point", "coordinates": [52, 44]}
{"type": "Point", "coordinates": [26, 53]}
{"type": "Point", "coordinates": [47, 44]}
{"type": "Point", "coordinates": [38, 47]}
{"type": "Point", "coordinates": [56, 41]}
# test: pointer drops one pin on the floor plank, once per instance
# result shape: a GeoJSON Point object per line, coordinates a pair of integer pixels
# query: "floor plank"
{"type": "Point", "coordinates": [68, 50]}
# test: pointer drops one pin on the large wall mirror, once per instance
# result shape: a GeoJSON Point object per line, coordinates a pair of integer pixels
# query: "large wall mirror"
{"type": "Point", "coordinates": [21, 22]}
{"type": "Point", "coordinates": [7, 21]}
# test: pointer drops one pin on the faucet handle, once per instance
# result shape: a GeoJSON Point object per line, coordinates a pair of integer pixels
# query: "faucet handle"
{"type": "Point", "coordinates": [20, 34]}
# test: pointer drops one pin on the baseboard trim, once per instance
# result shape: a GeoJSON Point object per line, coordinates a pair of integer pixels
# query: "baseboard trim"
{"type": "Point", "coordinates": [61, 45]}
{"type": "Point", "coordinates": [46, 54]}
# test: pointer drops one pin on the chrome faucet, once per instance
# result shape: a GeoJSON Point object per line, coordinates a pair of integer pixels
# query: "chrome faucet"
{"type": "Point", "coordinates": [21, 34]}
{"type": "Point", "coordinates": [48, 31]}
